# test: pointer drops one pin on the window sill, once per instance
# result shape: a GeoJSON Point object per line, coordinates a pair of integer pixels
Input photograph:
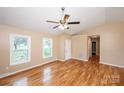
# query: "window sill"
{"type": "Point", "coordinates": [47, 57]}
{"type": "Point", "coordinates": [19, 63]}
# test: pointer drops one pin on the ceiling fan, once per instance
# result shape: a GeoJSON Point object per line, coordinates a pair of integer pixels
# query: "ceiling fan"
{"type": "Point", "coordinates": [63, 22]}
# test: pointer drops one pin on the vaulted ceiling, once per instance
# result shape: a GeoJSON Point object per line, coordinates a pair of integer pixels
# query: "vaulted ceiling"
{"type": "Point", "coordinates": [34, 18]}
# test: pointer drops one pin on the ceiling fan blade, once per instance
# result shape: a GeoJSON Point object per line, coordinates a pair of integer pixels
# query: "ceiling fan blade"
{"type": "Point", "coordinates": [55, 27]}
{"type": "Point", "coordinates": [52, 22]}
{"type": "Point", "coordinates": [66, 17]}
{"type": "Point", "coordinates": [73, 22]}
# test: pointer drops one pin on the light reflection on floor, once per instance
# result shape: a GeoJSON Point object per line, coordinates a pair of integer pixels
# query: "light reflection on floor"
{"type": "Point", "coordinates": [21, 82]}
{"type": "Point", "coordinates": [47, 74]}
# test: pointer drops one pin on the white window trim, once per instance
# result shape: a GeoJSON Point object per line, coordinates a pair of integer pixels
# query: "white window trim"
{"type": "Point", "coordinates": [51, 48]}
{"type": "Point", "coordinates": [12, 36]}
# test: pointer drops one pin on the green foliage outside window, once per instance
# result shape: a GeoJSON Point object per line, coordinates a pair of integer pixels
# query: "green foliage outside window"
{"type": "Point", "coordinates": [47, 47]}
{"type": "Point", "coordinates": [20, 49]}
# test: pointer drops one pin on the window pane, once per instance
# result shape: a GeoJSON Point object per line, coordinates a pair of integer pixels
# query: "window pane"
{"type": "Point", "coordinates": [47, 47]}
{"type": "Point", "coordinates": [20, 51]}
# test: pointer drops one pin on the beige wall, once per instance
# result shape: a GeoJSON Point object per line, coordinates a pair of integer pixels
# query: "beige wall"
{"type": "Point", "coordinates": [62, 39]}
{"type": "Point", "coordinates": [111, 46]}
{"type": "Point", "coordinates": [111, 42]}
{"type": "Point", "coordinates": [79, 47]}
{"type": "Point", "coordinates": [36, 48]}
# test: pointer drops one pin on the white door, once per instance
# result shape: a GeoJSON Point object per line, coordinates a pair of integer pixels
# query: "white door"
{"type": "Point", "coordinates": [67, 49]}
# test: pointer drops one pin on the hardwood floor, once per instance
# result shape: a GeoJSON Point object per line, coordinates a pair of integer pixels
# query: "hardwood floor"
{"type": "Point", "coordinates": [69, 73]}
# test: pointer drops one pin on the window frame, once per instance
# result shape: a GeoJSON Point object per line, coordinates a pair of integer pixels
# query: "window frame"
{"type": "Point", "coordinates": [51, 40]}
{"type": "Point", "coordinates": [12, 38]}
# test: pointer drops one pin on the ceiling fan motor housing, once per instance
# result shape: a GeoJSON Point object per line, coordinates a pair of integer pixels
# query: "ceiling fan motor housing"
{"type": "Point", "coordinates": [63, 23]}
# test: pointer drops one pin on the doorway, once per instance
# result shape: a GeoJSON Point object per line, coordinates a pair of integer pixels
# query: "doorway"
{"type": "Point", "coordinates": [94, 47]}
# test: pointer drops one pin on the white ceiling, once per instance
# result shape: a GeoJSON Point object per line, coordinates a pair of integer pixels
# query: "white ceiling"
{"type": "Point", "coordinates": [35, 18]}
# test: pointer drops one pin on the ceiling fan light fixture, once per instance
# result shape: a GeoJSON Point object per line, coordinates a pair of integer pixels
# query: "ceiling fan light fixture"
{"type": "Point", "coordinates": [66, 26]}
{"type": "Point", "coordinates": [61, 27]}
{"type": "Point", "coordinates": [63, 23]}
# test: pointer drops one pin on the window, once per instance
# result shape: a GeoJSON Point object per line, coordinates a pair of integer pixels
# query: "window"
{"type": "Point", "coordinates": [19, 49]}
{"type": "Point", "coordinates": [47, 47]}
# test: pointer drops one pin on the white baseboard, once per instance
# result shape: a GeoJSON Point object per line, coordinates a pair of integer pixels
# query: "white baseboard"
{"type": "Point", "coordinates": [12, 73]}
{"type": "Point", "coordinates": [61, 59]}
{"type": "Point", "coordinates": [79, 59]}
{"type": "Point", "coordinates": [111, 64]}
{"type": "Point", "coordinates": [64, 59]}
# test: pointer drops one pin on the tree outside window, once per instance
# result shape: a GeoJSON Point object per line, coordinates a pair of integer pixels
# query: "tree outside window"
{"type": "Point", "coordinates": [47, 47]}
